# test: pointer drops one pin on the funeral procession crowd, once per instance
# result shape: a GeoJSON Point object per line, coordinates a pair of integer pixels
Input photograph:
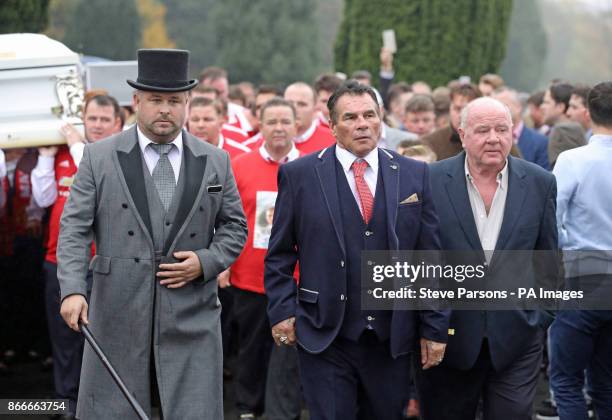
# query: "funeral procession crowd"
{"type": "Point", "coordinates": [211, 236]}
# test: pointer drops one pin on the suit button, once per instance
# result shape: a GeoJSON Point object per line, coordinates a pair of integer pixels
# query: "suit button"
{"type": "Point", "coordinates": [201, 208]}
{"type": "Point", "coordinates": [370, 318]}
{"type": "Point", "coordinates": [342, 297]}
{"type": "Point", "coordinates": [368, 233]}
{"type": "Point", "coordinates": [124, 205]}
{"type": "Point", "coordinates": [131, 232]}
{"type": "Point", "coordinates": [167, 223]}
{"type": "Point", "coordinates": [191, 235]}
{"type": "Point", "coordinates": [136, 260]}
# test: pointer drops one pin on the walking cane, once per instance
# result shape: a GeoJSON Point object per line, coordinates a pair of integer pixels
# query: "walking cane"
{"type": "Point", "coordinates": [94, 345]}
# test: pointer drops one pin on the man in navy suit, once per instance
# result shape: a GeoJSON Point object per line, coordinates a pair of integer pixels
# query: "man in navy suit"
{"type": "Point", "coordinates": [331, 205]}
{"type": "Point", "coordinates": [533, 145]}
{"type": "Point", "coordinates": [488, 200]}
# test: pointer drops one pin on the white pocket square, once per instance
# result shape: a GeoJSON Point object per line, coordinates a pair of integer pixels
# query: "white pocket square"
{"type": "Point", "coordinates": [414, 198]}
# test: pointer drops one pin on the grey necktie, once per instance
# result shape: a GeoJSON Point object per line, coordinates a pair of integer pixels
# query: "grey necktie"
{"type": "Point", "coordinates": [163, 175]}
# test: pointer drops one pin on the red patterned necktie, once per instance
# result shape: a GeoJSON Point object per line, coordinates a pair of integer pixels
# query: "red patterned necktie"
{"type": "Point", "coordinates": [365, 195]}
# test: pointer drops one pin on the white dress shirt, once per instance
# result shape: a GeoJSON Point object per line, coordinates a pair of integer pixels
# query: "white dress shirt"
{"type": "Point", "coordinates": [370, 176]}
{"type": "Point", "coordinates": [44, 185]}
{"type": "Point", "coordinates": [151, 157]}
{"type": "Point", "coordinates": [76, 151]}
{"type": "Point", "coordinates": [2, 164]}
{"type": "Point", "coordinates": [488, 225]}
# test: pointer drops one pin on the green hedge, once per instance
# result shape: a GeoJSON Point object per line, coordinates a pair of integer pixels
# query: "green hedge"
{"type": "Point", "coordinates": [437, 40]}
{"type": "Point", "coordinates": [23, 15]}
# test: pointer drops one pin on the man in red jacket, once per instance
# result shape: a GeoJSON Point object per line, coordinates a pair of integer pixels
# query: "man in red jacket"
{"type": "Point", "coordinates": [205, 121]}
{"type": "Point", "coordinates": [258, 193]}
{"type": "Point", "coordinates": [51, 181]}
{"type": "Point", "coordinates": [312, 136]}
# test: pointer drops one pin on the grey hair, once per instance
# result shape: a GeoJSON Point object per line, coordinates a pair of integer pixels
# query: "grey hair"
{"type": "Point", "coordinates": [484, 100]}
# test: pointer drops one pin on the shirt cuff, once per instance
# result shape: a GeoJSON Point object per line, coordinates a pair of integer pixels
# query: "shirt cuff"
{"type": "Point", "coordinates": [46, 163]}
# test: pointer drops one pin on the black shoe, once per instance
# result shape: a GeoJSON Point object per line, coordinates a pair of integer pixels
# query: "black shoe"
{"type": "Point", "coordinates": [547, 411]}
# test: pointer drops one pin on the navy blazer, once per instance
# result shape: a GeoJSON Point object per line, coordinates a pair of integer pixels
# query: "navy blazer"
{"type": "Point", "coordinates": [307, 228]}
{"type": "Point", "coordinates": [534, 147]}
{"type": "Point", "coordinates": [529, 224]}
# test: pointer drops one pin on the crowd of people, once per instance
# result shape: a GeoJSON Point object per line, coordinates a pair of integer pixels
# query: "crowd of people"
{"type": "Point", "coordinates": [181, 240]}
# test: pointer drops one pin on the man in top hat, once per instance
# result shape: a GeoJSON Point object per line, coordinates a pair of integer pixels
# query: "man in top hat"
{"type": "Point", "coordinates": [165, 214]}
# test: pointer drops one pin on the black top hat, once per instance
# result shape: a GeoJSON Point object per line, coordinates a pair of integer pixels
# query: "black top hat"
{"type": "Point", "coordinates": [163, 70]}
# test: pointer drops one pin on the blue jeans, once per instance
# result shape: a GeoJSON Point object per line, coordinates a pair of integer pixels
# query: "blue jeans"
{"type": "Point", "coordinates": [581, 340]}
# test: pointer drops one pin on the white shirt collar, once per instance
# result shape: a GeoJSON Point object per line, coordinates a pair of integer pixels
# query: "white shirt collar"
{"type": "Point", "coordinates": [308, 133]}
{"type": "Point", "coordinates": [502, 176]}
{"type": "Point", "coordinates": [607, 139]}
{"type": "Point", "coordinates": [144, 141]}
{"type": "Point", "coordinates": [346, 158]}
{"type": "Point", "coordinates": [221, 141]}
{"type": "Point", "coordinates": [293, 154]}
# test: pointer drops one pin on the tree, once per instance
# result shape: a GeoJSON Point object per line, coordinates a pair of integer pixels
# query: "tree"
{"type": "Point", "coordinates": [154, 34]}
{"type": "Point", "coordinates": [191, 27]}
{"type": "Point", "coordinates": [61, 15]}
{"type": "Point", "coordinates": [579, 48]}
{"type": "Point", "coordinates": [268, 41]}
{"type": "Point", "coordinates": [260, 41]}
{"type": "Point", "coordinates": [23, 16]}
{"type": "Point", "coordinates": [109, 29]}
{"type": "Point", "coordinates": [527, 48]}
{"type": "Point", "coordinates": [437, 40]}
{"type": "Point", "coordinates": [328, 15]}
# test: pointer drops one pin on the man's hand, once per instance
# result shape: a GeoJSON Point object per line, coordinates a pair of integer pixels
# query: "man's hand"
{"type": "Point", "coordinates": [48, 151]}
{"type": "Point", "coordinates": [71, 134]}
{"type": "Point", "coordinates": [284, 332]}
{"type": "Point", "coordinates": [386, 59]}
{"type": "Point", "coordinates": [224, 279]}
{"type": "Point", "coordinates": [74, 308]}
{"type": "Point", "coordinates": [432, 353]}
{"type": "Point", "coordinates": [179, 274]}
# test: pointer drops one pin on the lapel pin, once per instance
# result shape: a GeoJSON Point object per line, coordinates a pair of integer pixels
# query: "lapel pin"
{"type": "Point", "coordinates": [451, 331]}
{"type": "Point", "coordinates": [393, 166]}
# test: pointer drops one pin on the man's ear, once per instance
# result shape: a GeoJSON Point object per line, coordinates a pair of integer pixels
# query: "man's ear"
{"type": "Point", "coordinates": [461, 133]}
{"type": "Point", "coordinates": [135, 101]}
{"type": "Point", "coordinates": [332, 126]}
{"type": "Point", "coordinates": [562, 106]}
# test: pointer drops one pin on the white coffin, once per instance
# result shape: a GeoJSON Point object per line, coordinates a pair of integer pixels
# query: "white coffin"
{"type": "Point", "coordinates": [40, 90]}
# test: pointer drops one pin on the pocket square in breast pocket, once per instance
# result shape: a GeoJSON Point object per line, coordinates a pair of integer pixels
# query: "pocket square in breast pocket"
{"type": "Point", "coordinates": [414, 198]}
{"type": "Point", "coordinates": [214, 188]}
